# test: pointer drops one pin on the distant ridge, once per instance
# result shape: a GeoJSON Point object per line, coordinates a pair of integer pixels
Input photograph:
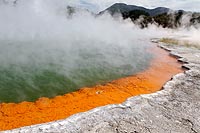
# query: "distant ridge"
{"type": "Point", "coordinates": [122, 8]}
{"type": "Point", "coordinates": [162, 16]}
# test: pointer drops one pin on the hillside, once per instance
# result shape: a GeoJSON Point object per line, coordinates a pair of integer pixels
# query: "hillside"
{"type": "Point", "coordinates": [162, 16]}
{"type": "Point", "coordinates": [124, 8]}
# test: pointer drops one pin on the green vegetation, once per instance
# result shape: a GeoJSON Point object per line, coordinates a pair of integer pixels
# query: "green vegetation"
{"type": "Point", "coordinates": [172, 20]}
{"type": "Point", "coordinates": [135, 14]}
{"type": "Point", "coordinates": [180, 42]}
{"type": "Point", "coordinates": [166, 20]}
{"type": "Point", "coordinates": [161, 16]}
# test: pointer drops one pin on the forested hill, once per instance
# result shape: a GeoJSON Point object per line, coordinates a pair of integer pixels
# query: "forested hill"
{"type": "Point", "coordinates": [162, 16]}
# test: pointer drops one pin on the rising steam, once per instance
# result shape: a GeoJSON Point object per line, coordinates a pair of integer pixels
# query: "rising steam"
{"type": "Point", "coordinates": [46, 52]}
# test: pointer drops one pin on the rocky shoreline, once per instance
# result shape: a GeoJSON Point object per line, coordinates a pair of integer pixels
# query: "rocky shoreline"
{"type": "Point", "coordinates": [174, 109]}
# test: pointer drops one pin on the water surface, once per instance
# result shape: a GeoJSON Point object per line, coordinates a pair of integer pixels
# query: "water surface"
{"type": "Point", "coordinates": [33, 69]}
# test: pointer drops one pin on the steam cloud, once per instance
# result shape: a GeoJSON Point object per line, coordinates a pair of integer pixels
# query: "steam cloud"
{"type": "Point", "coordinates": [44, 52]}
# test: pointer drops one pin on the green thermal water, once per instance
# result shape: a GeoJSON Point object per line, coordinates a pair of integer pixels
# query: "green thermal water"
{"type": "Point", "coordinates": [27, 75]}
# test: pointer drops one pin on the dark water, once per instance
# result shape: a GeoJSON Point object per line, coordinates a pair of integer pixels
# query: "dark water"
{"type": "Point", "coordinates": [28, 72]}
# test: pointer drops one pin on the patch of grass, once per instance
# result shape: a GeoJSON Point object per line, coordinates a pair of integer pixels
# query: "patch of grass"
{"type": "Point", "coordinates": [185, 43]}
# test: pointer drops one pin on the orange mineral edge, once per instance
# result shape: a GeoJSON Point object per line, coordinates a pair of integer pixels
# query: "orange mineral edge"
{"type": "Point", "coordinates": [161, 69]}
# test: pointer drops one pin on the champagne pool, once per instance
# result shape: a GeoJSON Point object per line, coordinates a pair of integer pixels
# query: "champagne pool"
{"type": "Point", "coordinates": [30, 71]}
{"type": "Point", "coordinates": [161, 69]}
{"type": "Point", "coordinates": [46, 51]}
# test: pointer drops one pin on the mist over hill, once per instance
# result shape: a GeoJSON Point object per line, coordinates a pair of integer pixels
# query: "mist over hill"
{"type": "Point", "coordinates": [124, 8]}
{"type": "Point", "coordinates": [161, 16]}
